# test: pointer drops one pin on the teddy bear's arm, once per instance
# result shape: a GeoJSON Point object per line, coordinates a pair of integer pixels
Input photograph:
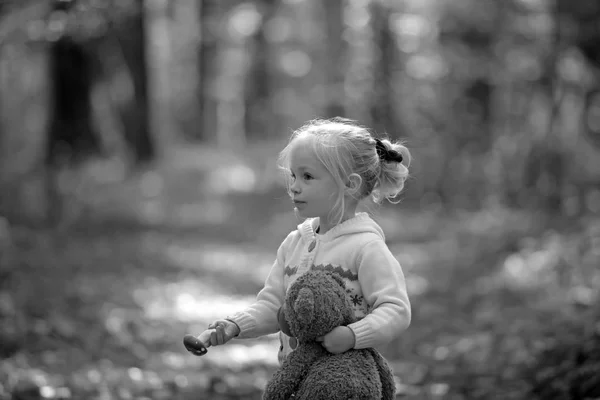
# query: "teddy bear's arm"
{"type": "Point", "coordinates": [286, 380]}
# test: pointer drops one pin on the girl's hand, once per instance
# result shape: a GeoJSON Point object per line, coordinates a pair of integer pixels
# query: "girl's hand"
{"type": "Point", "coordinates": [223, 331]}
{"type": "Point", "coordinates": [283, 325]}
{"type": "Point", "coordinates": [339, 340]}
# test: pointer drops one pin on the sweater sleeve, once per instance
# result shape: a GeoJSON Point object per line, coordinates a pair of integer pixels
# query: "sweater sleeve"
{"type": "Point", "coordinates": [260, 318]}
{"type": "Point", "coordinates": [384, 288]}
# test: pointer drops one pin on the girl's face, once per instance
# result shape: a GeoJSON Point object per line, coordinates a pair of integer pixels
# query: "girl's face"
{"type": "Point", "coordinates": [313, 189]}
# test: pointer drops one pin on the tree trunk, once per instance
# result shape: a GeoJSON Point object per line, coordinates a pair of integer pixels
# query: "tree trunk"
{"type": "Point", "coordinates": [334, 21]}
{"type": "Point", "coordinates": [72, 136]}
{"type": "Point", "coordinates": [382, 105]}
{"type": "Point", "coordinates": [162, 128]}
{"type": "Point", "coordinates": [1, 99]}
{"type": "Point", "coordinates": [259, 114]}
{"type": "Point", "coordinates": [545, 164]}
{"type": "Point", "coordinates": [138, 135]}
{"type": "Point", "coordinates": [207, 55]}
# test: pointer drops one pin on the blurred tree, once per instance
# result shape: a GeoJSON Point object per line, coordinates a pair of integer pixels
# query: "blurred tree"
{"type": "Point", "coordinates": [78, 60]}
{"type": "Point", "coordinates": [72, 137]}
{"type": "Point", "coordinates": [131, 32]}
{"type": "Point", "coordinates": [210, 16]}
{"type": "Point", "coordinates": [258, 111]}
{"type": "Point", "coordinates": [581, 76]}
{"type": "Point", "coordinates": [1, 65]}
{"type": "Point", "coordinates": [384, 116]}
{"type": "Point", "coordinates": [586, 16]}
{"type": "Point", "coordinates": [71, 133]}
{"type": "Point", "coordinates": [472, 31]}
{"type": "Point", "coordinates": [336, 48]}
{"type": "Point", "coordinates": [468, 33]}
{"type": "Point", "coordinates": [544, 175]}
{"type": "Point", "coordinates": [1, 72]}
{"type": "Point", "coordinates": [74, 67]}
{"type": "Point", "coordinates": [592, 116]}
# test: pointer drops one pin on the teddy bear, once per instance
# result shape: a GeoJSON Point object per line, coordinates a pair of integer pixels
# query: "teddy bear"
{"type": "Point", "coordinates": [315, 304]}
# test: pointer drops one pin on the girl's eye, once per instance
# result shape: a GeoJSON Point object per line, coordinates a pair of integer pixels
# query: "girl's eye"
{"type": "Point", "coordinates": [308, 176]}
{"type": "Point", "coordinates": [292, 175]}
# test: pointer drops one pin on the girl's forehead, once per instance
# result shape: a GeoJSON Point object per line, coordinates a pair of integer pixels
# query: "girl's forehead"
{"type": "Point", "coordinates": [302, 153]}
{"type": "Point", "coordinates": [302, 147]}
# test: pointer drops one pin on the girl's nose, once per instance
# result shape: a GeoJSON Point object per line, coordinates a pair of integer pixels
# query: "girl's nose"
{"type": "Point", "coordinates": [294, 188]}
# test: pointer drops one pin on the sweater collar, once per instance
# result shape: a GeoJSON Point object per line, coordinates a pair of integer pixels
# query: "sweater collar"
{"type": "Point", "coordinates": [360, 223]}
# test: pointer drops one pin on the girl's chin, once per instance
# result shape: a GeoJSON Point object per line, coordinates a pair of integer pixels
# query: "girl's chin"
{"type": "Point", "coordinates": [301, 213]}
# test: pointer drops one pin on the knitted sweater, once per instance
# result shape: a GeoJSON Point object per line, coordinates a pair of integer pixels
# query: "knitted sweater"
{"type": "Point", "coordinates": [356, 250]}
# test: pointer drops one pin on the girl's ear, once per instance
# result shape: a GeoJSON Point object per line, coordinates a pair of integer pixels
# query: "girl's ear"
{"type": "Point", "coordinates": [354, 183]}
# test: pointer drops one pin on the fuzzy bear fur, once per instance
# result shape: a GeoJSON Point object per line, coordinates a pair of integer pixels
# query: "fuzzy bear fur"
{"type": "Point", "coordinates": [314, 305]}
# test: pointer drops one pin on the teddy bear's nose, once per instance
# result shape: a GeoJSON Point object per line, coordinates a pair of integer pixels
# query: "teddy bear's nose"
{"type": "Point", "coordinates": [304, 305]}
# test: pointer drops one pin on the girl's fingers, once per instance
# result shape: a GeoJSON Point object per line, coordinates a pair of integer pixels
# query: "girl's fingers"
{"type": "Point", "coordinates": [218, 335]}
{"type": "Point", "coordinates": [221, 333]}
{"type": "Point", "coordinates": [214, 340]}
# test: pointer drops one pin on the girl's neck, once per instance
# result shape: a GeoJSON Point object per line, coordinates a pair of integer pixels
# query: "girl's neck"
{"type": "Point", "coordinates": [325, 225]}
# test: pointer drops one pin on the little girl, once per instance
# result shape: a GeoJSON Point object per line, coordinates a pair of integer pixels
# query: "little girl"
{"type": "Point", "coordinates": [332, 165]}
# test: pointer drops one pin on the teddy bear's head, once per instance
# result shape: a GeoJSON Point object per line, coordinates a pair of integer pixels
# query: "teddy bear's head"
{"type": "Point", "coordinates": [315, 304]}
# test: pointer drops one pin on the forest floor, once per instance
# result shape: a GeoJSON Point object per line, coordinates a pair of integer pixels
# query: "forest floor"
{"type": "Point", "coordinates": [97, 308]}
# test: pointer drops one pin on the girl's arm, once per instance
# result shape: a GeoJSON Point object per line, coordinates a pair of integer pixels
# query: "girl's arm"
{"type": "Point", "coordinates": [384, 288]}
{"type": "Point", "coordinates": [260, 318]}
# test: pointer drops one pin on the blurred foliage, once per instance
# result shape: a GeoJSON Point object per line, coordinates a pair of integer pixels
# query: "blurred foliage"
{"type": "Point", "coordinates": [497, 99]}
{"type": "Point", "coordinates": [498, 233]}
{"type": "Point", "coordinates": [568, 367]}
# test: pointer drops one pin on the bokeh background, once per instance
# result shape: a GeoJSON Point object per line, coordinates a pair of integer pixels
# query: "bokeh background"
{"type": "Point", "coordinates": [140, 198]}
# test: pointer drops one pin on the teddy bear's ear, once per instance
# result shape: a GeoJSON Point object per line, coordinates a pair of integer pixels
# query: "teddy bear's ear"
{"type": "Point", "coordinates": [305, 305]}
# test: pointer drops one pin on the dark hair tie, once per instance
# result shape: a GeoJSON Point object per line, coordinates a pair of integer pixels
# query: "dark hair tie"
{"type": "Point", "coordinates": [386, 154]}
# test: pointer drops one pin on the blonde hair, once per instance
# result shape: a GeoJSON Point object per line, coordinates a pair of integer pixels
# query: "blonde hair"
{"type": "Point", "coordinates": [345, 148]}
